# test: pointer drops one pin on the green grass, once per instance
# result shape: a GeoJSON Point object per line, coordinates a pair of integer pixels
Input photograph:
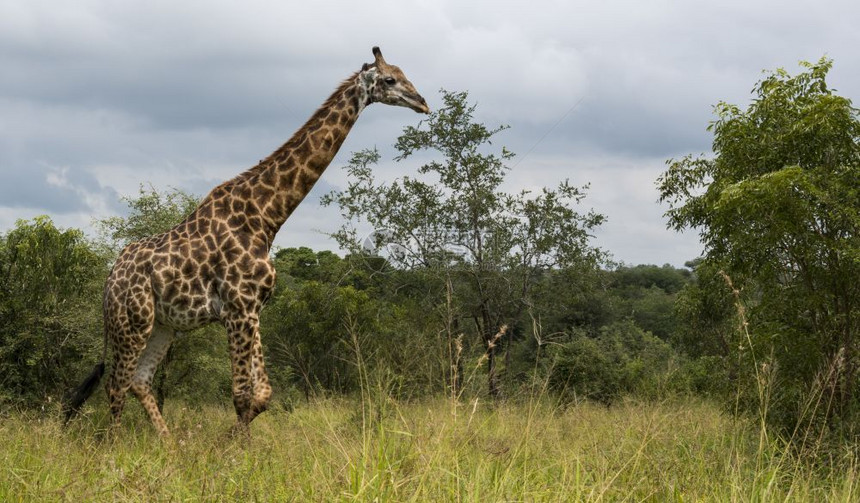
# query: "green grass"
{"type": "Point", "coordinates": [344, 450]}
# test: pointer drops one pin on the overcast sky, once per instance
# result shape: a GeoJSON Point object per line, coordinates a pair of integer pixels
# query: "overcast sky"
{"type": "Point", "coordinates": [99, 97]}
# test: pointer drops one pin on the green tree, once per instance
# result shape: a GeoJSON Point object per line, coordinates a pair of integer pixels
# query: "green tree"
{"type": "Point", "coordinates": [50, 295]}
{"type": "Point", "coordinates": [778, 210]}
{"type": "Point", "coordinates": [304, 264]}
{"type": "Point", "coordinates": [705, 312]}
{"type": "Point", "coordinates": [151, 212]}
{"type": "Point", "coordinates": [480, 246]}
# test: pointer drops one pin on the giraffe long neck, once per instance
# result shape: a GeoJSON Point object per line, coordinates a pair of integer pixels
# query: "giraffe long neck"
{"type": "Point", "coordinates": [277, 185]}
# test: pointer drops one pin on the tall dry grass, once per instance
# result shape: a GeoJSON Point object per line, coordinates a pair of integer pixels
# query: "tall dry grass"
{"type": "Point", "coordinates": [382, 450]}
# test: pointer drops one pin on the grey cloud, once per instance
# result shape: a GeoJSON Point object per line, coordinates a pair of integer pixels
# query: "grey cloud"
{"type": "Point", "coordinates": [171, 68]}
{"type": "Point", "coordinates": [121, 94]}
{"type": "Point", "coordinates": [29, 187]}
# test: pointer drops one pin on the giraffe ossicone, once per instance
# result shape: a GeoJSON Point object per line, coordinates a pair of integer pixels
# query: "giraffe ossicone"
{"type": "Point", "coordinates": [215, 265]}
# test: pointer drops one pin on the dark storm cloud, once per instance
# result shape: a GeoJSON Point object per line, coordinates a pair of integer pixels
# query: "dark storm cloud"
{"type": "Point", "coordinates": [171, 95]}
{"type": "Point", "coordinates": [165, 70]}
{"type": "Point", "coordinates": [98, 97]}
{"type": "Point", "coordinates": [46, 188]}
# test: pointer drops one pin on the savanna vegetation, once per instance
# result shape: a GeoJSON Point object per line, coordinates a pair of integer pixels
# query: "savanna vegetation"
{"type": "Point", "coordinates": [477, 345]}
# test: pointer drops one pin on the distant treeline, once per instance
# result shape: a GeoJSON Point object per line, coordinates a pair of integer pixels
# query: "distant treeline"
{"type": "Point", "coordinates": [334, 321]}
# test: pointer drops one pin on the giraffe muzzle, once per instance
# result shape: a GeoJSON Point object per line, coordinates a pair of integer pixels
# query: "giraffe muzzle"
{"type": "Point", "coordinates": [419, 105]}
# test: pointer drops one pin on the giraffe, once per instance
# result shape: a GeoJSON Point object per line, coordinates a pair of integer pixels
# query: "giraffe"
{"type": "Point", "coordinates": [215, 265]}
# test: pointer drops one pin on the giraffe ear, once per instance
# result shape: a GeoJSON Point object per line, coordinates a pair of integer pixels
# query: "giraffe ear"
{"type": "Point", "coordinates": [378, 55]}
{"type": "Point", "coordinates": [368, 73]}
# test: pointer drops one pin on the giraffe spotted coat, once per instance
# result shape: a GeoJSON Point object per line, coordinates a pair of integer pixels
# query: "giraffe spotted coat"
{"type": "Point", "coordinates": [215, 265]}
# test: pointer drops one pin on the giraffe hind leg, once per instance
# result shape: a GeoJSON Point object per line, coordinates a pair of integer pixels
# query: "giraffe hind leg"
{"type": "Point", "coordinates": [126, 354]}
{"type": "Point", "coordinates": [141, 384]}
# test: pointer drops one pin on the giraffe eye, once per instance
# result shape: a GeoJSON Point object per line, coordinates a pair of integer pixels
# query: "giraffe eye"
{"type": "Point", "coordinates": [390, 81]}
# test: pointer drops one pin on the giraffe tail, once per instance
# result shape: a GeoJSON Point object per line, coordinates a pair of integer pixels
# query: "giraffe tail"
{"type": "Point", "coordinates": [81, 393]}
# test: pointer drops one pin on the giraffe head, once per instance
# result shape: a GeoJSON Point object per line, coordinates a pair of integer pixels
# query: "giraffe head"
{"type": "Point", "coordinates": [387, 84]}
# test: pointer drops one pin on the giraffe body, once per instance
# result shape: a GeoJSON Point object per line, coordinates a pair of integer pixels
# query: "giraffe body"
{"type": "Point", "coordinates": [215, 265]}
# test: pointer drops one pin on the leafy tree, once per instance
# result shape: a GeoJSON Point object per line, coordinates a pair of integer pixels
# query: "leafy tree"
{"type": "Point", "coordinates": [666, 278]}
{"type": "Point", "coordinates": [778, 210]}
{"type": "Point", "coordinates": [480, 246]}
{"type": "Point", "coordinates": [50, 295]}
{"type": "Point", "coordinates": [706, 313]}
{"type": "Point", "coordinates": [151, 212]}
{"type": "Point", "coordinates": [304, 264]}
{"type": "Point", "coordinates": [575, 299]}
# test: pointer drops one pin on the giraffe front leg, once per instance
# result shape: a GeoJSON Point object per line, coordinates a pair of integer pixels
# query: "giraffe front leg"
{"type": "Point", "coordinates": [260, 380]}
{"type": "Point", "coordinates": [241, 341]}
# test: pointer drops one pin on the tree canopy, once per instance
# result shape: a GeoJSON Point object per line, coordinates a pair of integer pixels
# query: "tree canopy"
{"type": "Point", "coordinates": [484, 246]}
{"type": "Point", "coordinates": [777, 207]}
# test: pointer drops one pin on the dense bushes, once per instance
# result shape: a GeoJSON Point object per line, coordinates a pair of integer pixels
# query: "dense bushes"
{"type": "Point", "coordinates": [331, 325]}
{"type": "Point", "coordinates": [620, 359]}
{"type": "Point", "coordinates": [50, 296]}
{"type": "Point", "coordinates": [334, 325]}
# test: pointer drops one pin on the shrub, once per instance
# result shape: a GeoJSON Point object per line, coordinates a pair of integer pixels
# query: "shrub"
{"type": "Point", "coordinates": [621, 358]}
